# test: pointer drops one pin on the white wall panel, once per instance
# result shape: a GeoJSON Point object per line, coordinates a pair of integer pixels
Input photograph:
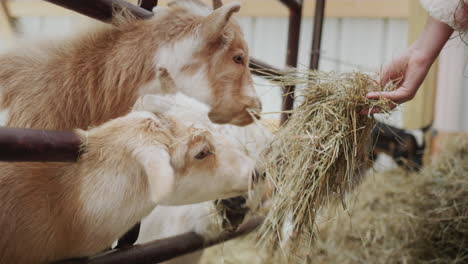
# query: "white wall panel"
{"type": "Point", "coordinates": [270, 41]}
{"type": "Point", "coordinates": [361, 44]}
{"type": "Point", "coordinates": [247, 24]}
{"type": "Point", "coordinates": [396, 38]}
{"type": "Point", "coordinates": [29, 26]}
{"type": "Point", "coordinates": [58, 26]}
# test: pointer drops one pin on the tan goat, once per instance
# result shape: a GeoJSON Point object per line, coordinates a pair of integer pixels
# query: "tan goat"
{"type": "Point", "coordinates": [89, 79]}
{"type": "Point", "coordinates": [51, 211]}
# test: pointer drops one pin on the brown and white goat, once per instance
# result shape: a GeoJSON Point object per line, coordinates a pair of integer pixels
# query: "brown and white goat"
{"type": "Point", "coordinates": [97, 76]}
{"type": "Point", "coordinates": [128, 166]}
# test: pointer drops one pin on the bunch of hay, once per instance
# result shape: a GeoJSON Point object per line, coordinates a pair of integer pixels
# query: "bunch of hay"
{"type": "Point", "coordinates": [392, 217]}
{"type": "Point", "coordinates": [321, 151]}
{"type": "Point", "coordinates": [396, 217]}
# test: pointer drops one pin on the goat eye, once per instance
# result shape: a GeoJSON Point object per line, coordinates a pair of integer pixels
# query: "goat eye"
{"type": "Point", "coordinates": [238, 59]}
{"type": "Point", "coordinates": [202, 154]}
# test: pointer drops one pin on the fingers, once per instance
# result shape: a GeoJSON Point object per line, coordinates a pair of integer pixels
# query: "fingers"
{"type": "Point", "coordinates": [370, 111]}
{"type": "Point", "coordinates": [376, 109]}
{"type": "Point", "coordinates": [398, 96]}
{"type": "Point", "coordinates": [395, 71]}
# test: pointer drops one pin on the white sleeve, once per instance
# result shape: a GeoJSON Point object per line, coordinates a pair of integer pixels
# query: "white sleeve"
{"type": "Point", "coordinates": [443, 10]}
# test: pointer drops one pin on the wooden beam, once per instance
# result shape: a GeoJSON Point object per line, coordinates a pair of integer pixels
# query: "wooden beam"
{"type": "Point", "coordinates": [269, 8]}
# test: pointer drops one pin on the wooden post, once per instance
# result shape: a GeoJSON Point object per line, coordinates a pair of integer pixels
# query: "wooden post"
{"type": "Point", "coordinates": [419, 112]}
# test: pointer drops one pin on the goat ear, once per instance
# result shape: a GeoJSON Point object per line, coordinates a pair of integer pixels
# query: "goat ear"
{"type": "Point", "coordinates": [214, 24]}
{"type": "Point", "coordinates": [159, 172]}
{"type": "Point", "coordinates": [217, 4]}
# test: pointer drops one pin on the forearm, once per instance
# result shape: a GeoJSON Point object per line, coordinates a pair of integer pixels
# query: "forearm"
{"type": "Point", "coordinates": [432, 39]}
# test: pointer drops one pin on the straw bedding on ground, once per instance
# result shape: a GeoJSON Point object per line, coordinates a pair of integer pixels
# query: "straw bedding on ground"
{"type": "Point", "coordinates": [392, 217]}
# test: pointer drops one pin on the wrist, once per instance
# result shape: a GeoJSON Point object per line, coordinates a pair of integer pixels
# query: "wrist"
{"type": "Point", "coordinates": [422, 58]}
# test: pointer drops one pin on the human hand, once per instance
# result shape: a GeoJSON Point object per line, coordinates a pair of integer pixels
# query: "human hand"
{"type": "Point", "coordinates": [409, 70]}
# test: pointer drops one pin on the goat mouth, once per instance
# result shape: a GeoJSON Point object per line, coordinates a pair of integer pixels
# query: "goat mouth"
{"type": "Point", "coordinates": [254, 113]}
{"type": "Point", "coordinates": [218, 120]}
{"type": "Point", "coordinates": [234, 211]}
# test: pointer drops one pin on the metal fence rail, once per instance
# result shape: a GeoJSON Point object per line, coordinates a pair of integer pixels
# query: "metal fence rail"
{"type": "Point", "coordinates": [165, 249]}
{"type": "Point", "coordinates": [21, 144]}
{"type": "Point", "coordinates": [294, 30]}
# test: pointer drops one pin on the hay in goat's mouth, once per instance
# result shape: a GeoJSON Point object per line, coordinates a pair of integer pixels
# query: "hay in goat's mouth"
{"type": "Point", "coordinates": [321, 150]}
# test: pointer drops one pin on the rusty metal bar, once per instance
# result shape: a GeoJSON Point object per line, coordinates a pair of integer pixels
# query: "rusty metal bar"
{"type": "Point", "coordinates": [317, 35]}
{"type": "Point", "coordinates": [147, 4]}
{"type": "Point", "coordinates": [295, 5]}
{"type": "Point", "coordinates": [165, 249]}
{"type": "Point", "coordinates": [102, 10]}
{"type": "Point", "coordinates": [295, 17]}
{"type": "Point", "coordinates": [20, 144]}
{"type": "Point", "coordinates": [263, 69]}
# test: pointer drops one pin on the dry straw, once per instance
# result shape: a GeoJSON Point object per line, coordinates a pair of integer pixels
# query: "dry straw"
{"type": "Point", "coordinates": [399, 217]}
{"type": "Point", "coordinates": [392, 218]}
{"type": "Point", "coordinates": [320, 152]}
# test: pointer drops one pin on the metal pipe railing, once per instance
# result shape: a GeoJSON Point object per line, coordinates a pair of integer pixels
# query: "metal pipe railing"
{"type": "Point", "coordinates": [101, 9]}
{"type": "Point", "coordinates": [263, 69]}
{"type": "Point", "coordinates": [21, 144]}
{"type": "Point", "coordinates": [147, 4]}
{"type": "Point", "coordinates": [295, 5]}
{"type": "Point", "coordinates": [166, 249]}
{"type": "Point", "coordinates": [295, 17]}
{"type": "Point", "coordinates": [317, 34]}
